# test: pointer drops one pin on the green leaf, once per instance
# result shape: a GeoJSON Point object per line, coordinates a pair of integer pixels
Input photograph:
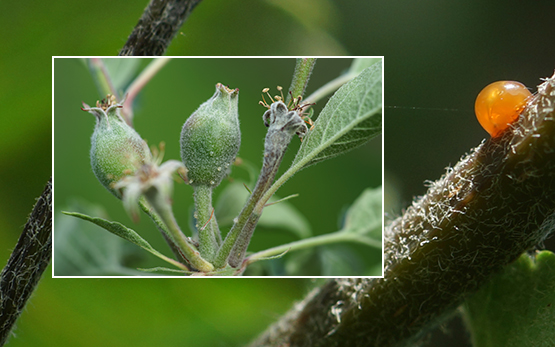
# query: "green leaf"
{"type": "Point", "coordinates": [352, 117]}
{"type": "Point", "coordinates": [516, 308]}
{"type": "Point", "coordinates": [83, 251]}
{"type": "Point", "coordinates": [360, 64]}
{"type": "Point", "coordinates": [127, 234]}
{"type": "Point", "coordinates": [283, 215]}
{"type": "Point", "coordinates": [301, 263]}
{"type": "Point", "coordinates": [364, 217]}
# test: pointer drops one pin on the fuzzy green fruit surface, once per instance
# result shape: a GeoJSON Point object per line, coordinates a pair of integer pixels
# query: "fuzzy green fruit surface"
{"type": "Point", "coordinates": [211, 138]}
{"type": "Point", "coordinates": [117, 149]}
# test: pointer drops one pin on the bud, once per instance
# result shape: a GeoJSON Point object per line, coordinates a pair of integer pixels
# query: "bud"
{"type": "Point", "coordinates": [116, 148]}
{"type": "Point", "coordinates": [210, 138]}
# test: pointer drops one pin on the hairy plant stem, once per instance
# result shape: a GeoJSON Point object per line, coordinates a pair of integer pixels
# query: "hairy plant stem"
{"type": "Point", "coordinates": [246, 221]}
{"type": "Point", "coordinates": [157, 26]}
{"type": "Point", "coordinates": [303, 70]}
{"type": "Point", "coordinates": [496, 203]}
{"type": "Point", "coordinates": [184, 244]}
{"type": "Point", "coordinates": [283, 124]}
{"type": "Point", "coordinates": [28, 261]}
{"type": "Point", "coordinates": [163, 230]}
{"type": "Point", "coordinates": [265, 178]}
{"type": "Point", "coordinates": [208, 232]}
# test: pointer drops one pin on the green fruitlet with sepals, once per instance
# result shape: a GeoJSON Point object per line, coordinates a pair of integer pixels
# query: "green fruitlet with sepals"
{"type": "Point", "coordinates": [210, 138]}
{"type": "Point", "coordinates": [116, 148]}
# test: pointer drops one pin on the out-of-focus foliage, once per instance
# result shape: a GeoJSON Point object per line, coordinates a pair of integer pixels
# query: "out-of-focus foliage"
{"type": "Point", "coordinates": [516, 307]}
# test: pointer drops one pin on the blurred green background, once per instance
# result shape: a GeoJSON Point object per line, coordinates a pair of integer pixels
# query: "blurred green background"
{"type": "Point", "coordinates": [437, 55]}
{"type": "Point", "coordinates": [325, 190]}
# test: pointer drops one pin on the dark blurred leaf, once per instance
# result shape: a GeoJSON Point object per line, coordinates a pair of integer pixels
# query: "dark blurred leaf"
{"type": "Point", "coordinates": [517, 308]}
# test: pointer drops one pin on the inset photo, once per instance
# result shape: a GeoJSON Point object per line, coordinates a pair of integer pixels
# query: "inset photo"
{"type": "Point", "coordinates": [218, 167]}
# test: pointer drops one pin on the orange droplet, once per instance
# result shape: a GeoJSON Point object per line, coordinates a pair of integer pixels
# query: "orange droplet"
{"type": "Point", "coordinates": [499, 104]}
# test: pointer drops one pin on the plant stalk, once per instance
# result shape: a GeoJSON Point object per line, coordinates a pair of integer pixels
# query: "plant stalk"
{"type": "Point", "coordinates": [163, 230]}
{"type": "Point", "coordinates": [101, 77]}
{"type": "Point", "coordinates": [242, 230]}
{"type": "Point", "coordinates": [496, 203]}
{"type": "Point", "coordinates": [184, 244]}
{"type": "Point", "coordinates": [204, 214]}
{"type": "Point", "coordinates": [138, 84]}
{"type": "Point", "coordinates": [320, 240]}
{"type": "Point", "coordinates": [27, 262]}
{"type": "Point", "coordinates": [157, 27]}
{"type": "Point", "coordinates": [303, 70]}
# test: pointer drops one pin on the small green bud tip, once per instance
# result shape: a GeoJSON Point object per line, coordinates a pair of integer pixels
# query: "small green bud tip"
{"type": "Point", "coordinates": [116, 148]}
{"type": "Point", "coordinates": [211, 138]}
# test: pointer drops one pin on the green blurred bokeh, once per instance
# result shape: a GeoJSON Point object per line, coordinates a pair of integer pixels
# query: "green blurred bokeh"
{"type": "Point", "coordinates": [437, 55]}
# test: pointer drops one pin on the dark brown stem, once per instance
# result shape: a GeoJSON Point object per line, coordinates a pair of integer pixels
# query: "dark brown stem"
{"type": "Point", "coordinates": [27, 263]}
{"type": "Point", "coordinates": [157, 27]}
{"type": "Point", "coordinates": [496, 203]}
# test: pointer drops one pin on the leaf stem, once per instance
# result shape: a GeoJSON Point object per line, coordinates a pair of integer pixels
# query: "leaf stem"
{"type": "Point", "coordinates": [274, 187]}
{"type": "Point", "coordinates": [102, 78]}
{"type": "Point", "coordinates": [138, 84]}
{"type": "Point", "coordinates": [163, 230]}
{"type": "Point", "coordinates": [320, 240]}
{"type": "Point", "coordinates": [183, 243]}
{"type": "Point", "coordinates": [330, 87]}
{"type": "Point", "coordinates": [244, 216]}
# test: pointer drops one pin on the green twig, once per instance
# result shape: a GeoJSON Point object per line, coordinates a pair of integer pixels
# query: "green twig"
{"type": "Point", "coordinates": [184, 244]}
{"type": "Point", "coordinates": [204, 214]}
{"type": "Point", "coordinates": [163, 230]}
{"type": "Point", "coordinates": [102, 78]}
{"type": "Point", "coordinates": [329, 87]}
{"type": "Point", "coordinates": [330, 238]}
{"type": "Point", "coordinates": [138, 84]}
{"type": "Point", "coordinates": [265, 179]}
{"type": "Point", "coordinates": [303, 70]}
